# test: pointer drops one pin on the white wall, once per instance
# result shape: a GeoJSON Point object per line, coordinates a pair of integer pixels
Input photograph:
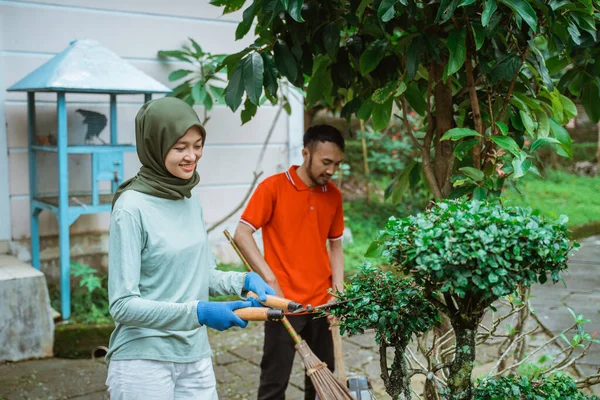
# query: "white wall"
{"type": "Point", "coordinates": [32, 32]}
{"type": "Point", "coordinates": [5, 231]}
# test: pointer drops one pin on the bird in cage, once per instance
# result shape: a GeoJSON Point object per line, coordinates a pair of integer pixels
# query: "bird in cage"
{"type": "Point", "coordinates": [95, 122]}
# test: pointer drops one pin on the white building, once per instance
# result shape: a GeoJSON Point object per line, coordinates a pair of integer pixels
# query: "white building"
{"type": "Point", "coordinates": [32, 32]}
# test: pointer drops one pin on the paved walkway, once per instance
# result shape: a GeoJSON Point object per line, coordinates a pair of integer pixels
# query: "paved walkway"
{"type": "Point", "coordinates": [237, 352]}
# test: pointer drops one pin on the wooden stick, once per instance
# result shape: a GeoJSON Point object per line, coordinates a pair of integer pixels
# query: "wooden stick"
{"type": "Point", "coordinates": [278, 302]}
{"type": "Point", "coordinates": [259, 314]}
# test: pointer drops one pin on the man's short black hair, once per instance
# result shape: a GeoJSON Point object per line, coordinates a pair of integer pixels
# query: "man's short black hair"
{"type": "Point", "coordinates": [323, 133]}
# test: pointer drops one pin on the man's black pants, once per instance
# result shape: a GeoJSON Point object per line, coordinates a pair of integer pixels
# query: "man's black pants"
{"type": "Point", "coordinates": [279, 351]}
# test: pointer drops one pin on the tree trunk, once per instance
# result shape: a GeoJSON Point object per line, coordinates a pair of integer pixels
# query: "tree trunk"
{"type": "Point", "coordinates": [444, 151]}
{"type": "Point", "coordinates": [397, 384]}
{"type": "Point", "coordinates": [459, 381]}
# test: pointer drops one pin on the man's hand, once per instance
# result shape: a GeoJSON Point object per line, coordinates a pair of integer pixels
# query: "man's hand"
{"type": "Point", "coordinates": [331, 318]}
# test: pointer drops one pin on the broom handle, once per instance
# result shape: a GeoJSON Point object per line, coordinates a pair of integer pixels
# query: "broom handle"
{"type": "Point", "coordinates": [338, 354]}
{"type": "Point", "coordinates": [286, 323]}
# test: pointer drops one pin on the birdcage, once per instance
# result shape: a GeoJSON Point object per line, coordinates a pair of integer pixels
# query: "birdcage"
{"type": "Point", "coordinates": [85, 67]}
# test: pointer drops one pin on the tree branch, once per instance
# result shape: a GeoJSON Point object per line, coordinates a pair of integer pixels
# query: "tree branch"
{"type": "Point", "coordinates": [512, 85]}
{"type": "Point", "coordinates": [477, 120]}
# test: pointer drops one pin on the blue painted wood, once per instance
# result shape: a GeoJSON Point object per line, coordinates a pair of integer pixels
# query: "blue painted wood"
{"type": "Point", "coordinates": [63, 208]}
{"type": "Point", "coordinates": [34, 213]}
{"type": "Point", "coordinates": [113, 119]}
{"type": "Point", "coordinates": [147, 97]}
{"type": "Point", "coordinates": [99, 149]}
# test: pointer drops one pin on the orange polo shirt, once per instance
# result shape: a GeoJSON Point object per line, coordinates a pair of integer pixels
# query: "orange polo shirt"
{"type": "Point", "coordinates": [296, 223]}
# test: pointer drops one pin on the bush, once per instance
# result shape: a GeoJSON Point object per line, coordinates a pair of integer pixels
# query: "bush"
{"type": "Point", "coordinates": [557, 387]}
{"type": "Point", "coordinates": [480, 248]}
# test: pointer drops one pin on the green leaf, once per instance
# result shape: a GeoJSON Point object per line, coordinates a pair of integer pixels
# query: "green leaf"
{"type": "Point", "coordinates": [459, 133]}
{"type": "Point", "coordinates": [480, 194]}
{"type": "Point", "coordinates": [249, 111]}
{"type": "Point", "coordinates": [503, 127]}
{"type": "Point", "coordinates": [386, 10]}
{"type": "Point", "coordinates": [543, 124]}
{"type": "Point", "coordinates": [381, 115]}
{"type": "Point", "coordinates": [568, 107]}
{"type": "Point", "coordinates": [563, 137]}
{"type": "Point", "coordinates": [381, 95]}
{"type": "Point", "coordinates": [463, 148]}
{"type": "Point", "coordinates": [520, 166]}
{"type": "Point", "coordinates": [457, 47]}
{"type": "Point", "coordinates": [320, 83]}
{"type": "Point", "coordinates": [197, 48]}
{"type": "Point", "coordinates": [178, 54]}
{"type": "Point", "coordinates": [416, 98]}
{"type": "Point", "coordinates": [372, 56]}
{"type": "Point", "coordinates": [590, 98]}
{"type": "Point", "coordinates": [465, 3]}
{"type": "Point", "coordinates": [374, 250]}
{"type": "Point", "coordinates": [401, 184]}
{"type": "Point", "coordinates": [199, 92]}
{"type": "Point", "coordinates": [489, 7]}
{"type": "Point", "coordinates": [235, 89]}
{"type": "Point", "coordinates": [180, 73]}
{"type": "Point", "coordinates": [285, 61]}
{"type": "Point", "coordinates": [247, 18]}
{"type": "Point", "coordinates": [294, 7]}
{"type": "Point", "coordinates": [507, 143]}
{"type": "Point", "coordinates": [542, 141]}
{"type": "Point", "coordinates": [331, 39]}
{"type": "Point", "coordinates": [492, 277]}
{"type": "Point", "coordinates": [253, 70]}
{"type": "Point", "coordinates": [524, 10]}
{"type": "Point", "coordinates": [473, 173]}
{"type": "Point", "coordinates": [479, 35]}
{"type": "Point", "coordinates": [446, 10]}
{"type": "Point", "coordinates": [413, 56]}
{"type": "Point", "coordinates": [270, 77]}
{"type": "Point", "coordinates": [527, 122]}
{"type": "Point", "coordinates": [230, 5]}
{"type": "Point", "coordinates": [365, 110]}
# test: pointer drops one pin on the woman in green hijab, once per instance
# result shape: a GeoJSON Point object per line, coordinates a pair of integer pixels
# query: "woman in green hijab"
{"type": "Point", "coordinates": [161, 270]}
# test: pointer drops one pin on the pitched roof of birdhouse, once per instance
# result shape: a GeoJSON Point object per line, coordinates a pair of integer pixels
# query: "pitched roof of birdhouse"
{"type": "Point", "coordinates": [85, 66]}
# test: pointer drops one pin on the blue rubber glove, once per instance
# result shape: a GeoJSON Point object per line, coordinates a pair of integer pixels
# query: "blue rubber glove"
{"type": "Point", "coordinates": [253, 282]}
{"type": "Point", "coordinates": [219, 315]}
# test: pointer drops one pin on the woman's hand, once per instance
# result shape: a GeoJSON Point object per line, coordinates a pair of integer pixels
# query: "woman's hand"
{"type": "Point", "coordinates": [253, 282]}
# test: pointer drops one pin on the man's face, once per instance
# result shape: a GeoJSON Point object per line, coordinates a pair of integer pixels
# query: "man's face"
{"type": "Point", "coordinates": [322, 161]}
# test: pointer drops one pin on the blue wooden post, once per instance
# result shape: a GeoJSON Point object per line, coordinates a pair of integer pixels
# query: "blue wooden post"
{"type": "Point", "coordinates": [147, 97]}
{"type": "Point", "coordinates": [63, 208]}
{"type": "Point", "coordinates": [34, 212]}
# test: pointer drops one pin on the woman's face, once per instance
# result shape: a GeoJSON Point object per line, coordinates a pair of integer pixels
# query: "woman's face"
{"type": "Point", "coordinates": [182, 159]}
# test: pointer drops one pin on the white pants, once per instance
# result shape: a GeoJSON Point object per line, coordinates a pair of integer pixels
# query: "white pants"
{"type": "Point", "coordinates": [161, 380]}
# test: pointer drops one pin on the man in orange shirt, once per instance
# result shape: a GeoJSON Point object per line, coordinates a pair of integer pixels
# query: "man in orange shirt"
{"type": "Point", "coordinates": [299, 211]}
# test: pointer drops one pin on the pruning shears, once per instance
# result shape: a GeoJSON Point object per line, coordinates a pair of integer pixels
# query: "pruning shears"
{"type": "Point", "coordinates": [294, 308]}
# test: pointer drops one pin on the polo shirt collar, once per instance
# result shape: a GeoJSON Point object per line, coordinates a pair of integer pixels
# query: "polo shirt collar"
{"type": "Point", "coordinates": [295, 179]}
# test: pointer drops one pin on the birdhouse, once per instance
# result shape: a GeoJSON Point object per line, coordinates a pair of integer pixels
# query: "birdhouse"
{"type": "Point", "coordinates": [83, 67]}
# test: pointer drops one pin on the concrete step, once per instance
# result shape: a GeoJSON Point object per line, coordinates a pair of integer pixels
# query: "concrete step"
{"type": "Point", "coordinates": [26, 325]}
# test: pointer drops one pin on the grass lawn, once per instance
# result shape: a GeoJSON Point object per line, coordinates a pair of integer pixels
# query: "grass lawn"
{"type": "Point", "coordinates": [559, 193]}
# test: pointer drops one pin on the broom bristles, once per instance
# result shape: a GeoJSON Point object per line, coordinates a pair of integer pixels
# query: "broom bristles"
{"type": "Point", "coordinates": [325, 383]}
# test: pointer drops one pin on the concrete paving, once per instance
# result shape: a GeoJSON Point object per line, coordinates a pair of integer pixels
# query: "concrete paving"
{"type": "Point", "coordinates": [237, 352]}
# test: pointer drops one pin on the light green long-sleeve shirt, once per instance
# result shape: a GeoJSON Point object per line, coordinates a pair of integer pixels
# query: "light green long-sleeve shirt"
{"type": "Point", "coordinates": [160, 266]}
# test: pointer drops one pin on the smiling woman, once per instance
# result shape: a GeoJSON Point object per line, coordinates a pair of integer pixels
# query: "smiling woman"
{"type": "Point", "coordinates": [183, 157]}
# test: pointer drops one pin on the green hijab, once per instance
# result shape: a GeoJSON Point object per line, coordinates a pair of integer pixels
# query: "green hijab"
{"type": "Point", "coordinates": [158, 126]}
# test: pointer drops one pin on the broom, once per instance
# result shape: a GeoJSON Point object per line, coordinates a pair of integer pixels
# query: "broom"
{"type": "Point", "coordinates": [326, 385]}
